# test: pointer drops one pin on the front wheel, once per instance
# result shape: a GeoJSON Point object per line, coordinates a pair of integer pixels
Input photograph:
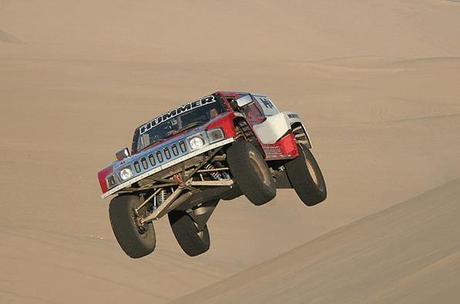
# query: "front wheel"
{"type": "Point", "coordinates": [135, 239]}
{"type": "Point", "coordinates": [251, 173]}
{"type": "Point", "coordinates": [192, 240]}
{"type": "Point", "coordinates": [306, 177]}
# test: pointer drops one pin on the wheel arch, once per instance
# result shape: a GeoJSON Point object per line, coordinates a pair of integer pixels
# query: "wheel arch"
{"type": "Point", "coordinates": [301, 134]}
{"type": "Point", "coordinates": [241, 123]}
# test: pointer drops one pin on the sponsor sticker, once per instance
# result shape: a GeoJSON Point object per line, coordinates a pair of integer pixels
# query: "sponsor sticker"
{"type": "Point", "coordinates": [267, 105]}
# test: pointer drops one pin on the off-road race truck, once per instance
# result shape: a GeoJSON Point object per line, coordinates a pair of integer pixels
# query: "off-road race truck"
{"type": "Point", "coordinates": [183, 162]}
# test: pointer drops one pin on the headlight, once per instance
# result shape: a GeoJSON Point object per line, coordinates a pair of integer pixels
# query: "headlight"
{"type": "Point", "coordinates": [196, 142]}
{"type": "Point", "coordinates": [215, 135]}
{"type": "Point", "coordinates": [126, 174]}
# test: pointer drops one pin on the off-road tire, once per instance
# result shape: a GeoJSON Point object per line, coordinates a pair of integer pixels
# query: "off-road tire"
{"type": "Point", "coordinates": [306, 177]}
{"type": "Point", "coordinates": [192, 241]}
{"type": "Point", "coordinates": [231, 195]}
{"type": "Point", "coordinates": [251, 173]}
{"type": "Point", "coordinates": [135, 241]}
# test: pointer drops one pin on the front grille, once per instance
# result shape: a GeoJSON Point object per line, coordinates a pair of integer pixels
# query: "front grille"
{"type": "Point", "coordinates": [144, 163]}
{"type": "Point", "coordinates": [183, 146]}
{"type": "Point", "coordinates": [167, 153]}
{"type": "Point", "coordinates": [157, 158]}
{"type": "Point", "coordinates": [137, 167]}
{"type": "Point", "coordinates": [152, 160]}
{"type": "Point", "coordinates": [175, 150]}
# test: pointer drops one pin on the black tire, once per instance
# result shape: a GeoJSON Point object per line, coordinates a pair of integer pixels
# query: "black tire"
{"type": "Point", "coordinates": [136, 241]}
{"type": "Point", "coordinates": [306, 177]}
{"type": "Point", "coordinates": [231, 195]}
{"type": "Point", "coordinates": [192, 241]}
{"type": "Point", "coordinates": [251, 173]}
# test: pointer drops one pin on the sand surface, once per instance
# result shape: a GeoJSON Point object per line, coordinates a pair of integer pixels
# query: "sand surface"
{"type": "Point", "coordinates": [408, 253]}
{"type": "Point", "coordinates": [377, 83]}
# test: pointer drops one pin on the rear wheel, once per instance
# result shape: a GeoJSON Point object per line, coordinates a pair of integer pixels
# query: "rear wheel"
{"type": "Point", "coordinates": [306, 177]}
{"type": "Point", "coordinates": [135, 239]}
{"type": "Point", "coordinates": [192, 240]}
{"type": "Point", "coordinates": [251, 173]}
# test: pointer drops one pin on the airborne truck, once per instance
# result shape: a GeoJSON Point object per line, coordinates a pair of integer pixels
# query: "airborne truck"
{"type": "Point", "coordinates": [219, 147]}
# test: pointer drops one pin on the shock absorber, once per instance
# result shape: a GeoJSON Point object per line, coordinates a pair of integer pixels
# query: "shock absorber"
{"type": "Point", "coordinates": [161, 197]}
{"type": "Point", "coordinates": [214, 174]}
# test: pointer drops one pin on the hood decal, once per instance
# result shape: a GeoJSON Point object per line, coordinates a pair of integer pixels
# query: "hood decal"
{"type": "Point", "coordinates": [180, 110]}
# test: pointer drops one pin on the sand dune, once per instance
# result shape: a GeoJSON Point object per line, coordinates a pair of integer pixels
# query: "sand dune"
{"type": "Point", "coordinates": [376, 82]}
{"type": "Point", "coordinates": [408, 253]}
{"type": "Point", "coordinates": [241, 30]}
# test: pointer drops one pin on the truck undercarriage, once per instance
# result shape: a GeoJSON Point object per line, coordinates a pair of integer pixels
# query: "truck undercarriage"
{"type": "Point", "coordinates": [185, 185]}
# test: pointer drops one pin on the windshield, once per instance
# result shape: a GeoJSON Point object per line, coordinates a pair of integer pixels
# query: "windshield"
{"type": "Point", "coordinates": [176, 121]}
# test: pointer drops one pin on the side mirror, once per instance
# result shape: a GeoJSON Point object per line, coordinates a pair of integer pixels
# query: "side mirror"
{"type": "Point", "coordinates": [242, 101]}
{"type": "Point", "coordinates": [122, 154]}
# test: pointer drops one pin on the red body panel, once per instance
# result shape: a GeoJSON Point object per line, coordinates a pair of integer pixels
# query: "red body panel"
{"type": "Point", "coordinates": [285, 148]}
{"type": "Point", "coordinates": [225, 123]}
{"type": "Point", "coordinates": [101, 176]}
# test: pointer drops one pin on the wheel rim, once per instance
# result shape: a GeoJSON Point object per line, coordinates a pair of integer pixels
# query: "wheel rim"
{"type": "Point", "coordinates": [258, 168]}
{"type": "Point", "coordinates": [141, 229]}
{"type": "Point", "coordinates": [312, 172]}
{"type": "Point", "coordinates": [200, 233]}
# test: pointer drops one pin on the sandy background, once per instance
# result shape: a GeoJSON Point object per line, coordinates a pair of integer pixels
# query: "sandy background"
{"type": "Point", "coordinates": [377, 83]}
